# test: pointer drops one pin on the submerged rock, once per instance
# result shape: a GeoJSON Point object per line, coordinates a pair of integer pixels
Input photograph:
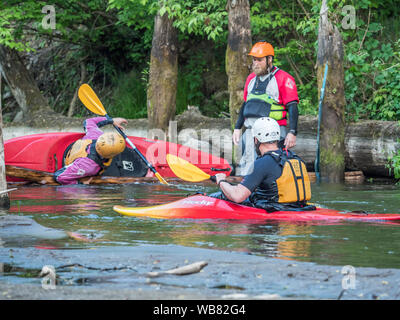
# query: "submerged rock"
{"type": "Point", "coordinates": [23, 228]}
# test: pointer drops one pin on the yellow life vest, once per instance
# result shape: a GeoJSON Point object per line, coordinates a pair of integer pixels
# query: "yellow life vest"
{"type": "Point", "coordinates": [294, 183]}
{"type": "Point", "coordinates": [79, 150]}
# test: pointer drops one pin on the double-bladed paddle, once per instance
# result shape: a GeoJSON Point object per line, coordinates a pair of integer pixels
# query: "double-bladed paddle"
{"type": "Point", "coordinates": [186, 171]}
{"type": "Point", "coordinates": [93, 103]}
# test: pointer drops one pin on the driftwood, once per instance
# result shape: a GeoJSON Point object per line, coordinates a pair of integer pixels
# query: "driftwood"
{"type": "Point", "coordinates": [181, 271]}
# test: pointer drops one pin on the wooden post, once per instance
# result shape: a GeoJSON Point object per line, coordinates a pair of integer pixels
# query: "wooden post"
{"type": "Point", "coordinates": [237, 61]}
{"type": "Point", "coordinates": [163, 78]}
{"type": "Point", "coordinates": [332, 147]}
{"type": "Point", "coordinates": [4, 199]}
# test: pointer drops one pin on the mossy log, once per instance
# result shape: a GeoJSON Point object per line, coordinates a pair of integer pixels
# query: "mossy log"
{"type": "Point", "coordinates": [368, 145]}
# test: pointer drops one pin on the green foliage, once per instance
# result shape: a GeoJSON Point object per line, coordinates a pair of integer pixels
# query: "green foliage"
{"type": "Point", "coordinates": [190, 82]}
{"type": "Point", "coordinates": [204, 18]}
{"type": "Point", "coordinates": [12, 17]}
{"type": "Point", "coordinates": [372, 80]}
{"type": "Point", "coordinates": [129, 96]}
{"type": "Point", "coordinates": [113, 38]}
{"type": "Point", "coordinates": [394, 164]}
{"type": "Point", "coordinates": [92, 32]}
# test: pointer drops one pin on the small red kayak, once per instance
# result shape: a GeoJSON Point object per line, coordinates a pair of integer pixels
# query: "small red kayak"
{"type": "Point", "coordinates": [204, 207]}
{"type": "Point", "coordinates": [46, 151]}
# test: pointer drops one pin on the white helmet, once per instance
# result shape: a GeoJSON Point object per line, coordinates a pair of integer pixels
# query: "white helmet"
{"type": "Point", "coordinates": [266, 130]}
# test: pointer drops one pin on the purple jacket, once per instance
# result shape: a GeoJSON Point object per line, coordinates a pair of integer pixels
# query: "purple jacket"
{"type": "Point", "coordinates": [83, 167]}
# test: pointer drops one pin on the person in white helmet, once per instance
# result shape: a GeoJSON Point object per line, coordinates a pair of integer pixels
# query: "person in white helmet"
{"type": "Point", "coordinates": [279, 180]}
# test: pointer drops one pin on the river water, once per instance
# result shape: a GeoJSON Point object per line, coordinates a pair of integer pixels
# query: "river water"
{"type": "Point", "coordinates": [87, 210]}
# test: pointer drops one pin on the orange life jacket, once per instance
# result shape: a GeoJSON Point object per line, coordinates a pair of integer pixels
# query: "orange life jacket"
{"type": "Point", "coordinates": [294, 183]}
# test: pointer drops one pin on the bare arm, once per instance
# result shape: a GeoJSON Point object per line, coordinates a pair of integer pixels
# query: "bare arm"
{"type": "Point", "coordinates": [236, 193]}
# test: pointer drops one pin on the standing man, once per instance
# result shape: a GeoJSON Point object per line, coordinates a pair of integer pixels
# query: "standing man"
{"type": "Point", "coordinates": [268, 92]}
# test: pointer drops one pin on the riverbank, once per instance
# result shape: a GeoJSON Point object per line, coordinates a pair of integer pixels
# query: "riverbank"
{"type": "Point", "coordinates": [121, 274]}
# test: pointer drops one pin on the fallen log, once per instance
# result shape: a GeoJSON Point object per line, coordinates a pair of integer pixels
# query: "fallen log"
{"type": "Point", "coordinates": [368, 145]}
{"type": "Point", "coordinates": [42, 177]}
{"type": "Point", "coordinates": [47, 178]}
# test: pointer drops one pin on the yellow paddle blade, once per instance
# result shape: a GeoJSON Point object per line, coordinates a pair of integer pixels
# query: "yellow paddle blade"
{"type": "Point", "coordinates": [90, 100]}
{"type": "Point", "coordinates": [185, 170]}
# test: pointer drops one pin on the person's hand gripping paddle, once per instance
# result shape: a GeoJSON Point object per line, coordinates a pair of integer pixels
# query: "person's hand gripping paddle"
{"type": "Point", "coordinates": [92, 102]}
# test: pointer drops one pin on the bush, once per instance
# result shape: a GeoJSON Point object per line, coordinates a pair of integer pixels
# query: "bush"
{"type": "Point", "coordinates": [129, 96]}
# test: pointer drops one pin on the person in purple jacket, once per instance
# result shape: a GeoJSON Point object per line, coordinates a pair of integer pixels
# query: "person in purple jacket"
{"type": "Point", "coordinates": [93, 153]}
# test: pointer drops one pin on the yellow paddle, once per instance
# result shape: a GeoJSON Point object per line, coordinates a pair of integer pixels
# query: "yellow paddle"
{"type": "Point", "coordinates": [92, 102]}
{"type": "Point", "coordinates": [187, 171]}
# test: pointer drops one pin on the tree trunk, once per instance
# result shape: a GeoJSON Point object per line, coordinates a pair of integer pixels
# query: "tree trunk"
{"type": "Point", "coordinates": [163, 79]}
{"type": "Point", "coordinates": [237, 61]}
{"type": "Point", "coordinates": [21, 83]}
{"type": "Point", "coordinates": [4, 199]}
{"type": "Point", "coordinates": [332, 147]}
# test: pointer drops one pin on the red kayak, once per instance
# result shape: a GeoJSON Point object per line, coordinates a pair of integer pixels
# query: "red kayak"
{"type": "Point", "coordinates": [204, 207]}
{"type": "Point", "coordinates": [46, 151]}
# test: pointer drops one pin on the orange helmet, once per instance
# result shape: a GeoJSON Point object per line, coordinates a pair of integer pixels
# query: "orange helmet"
{"type": "Point", "coordinates": [110, 144]}
{"type": "Point", "coordinates": [262, 49]}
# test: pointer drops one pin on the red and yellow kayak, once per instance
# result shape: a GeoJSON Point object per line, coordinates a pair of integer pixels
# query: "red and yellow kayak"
{"type": "Point", "coordinates": [204, 207]}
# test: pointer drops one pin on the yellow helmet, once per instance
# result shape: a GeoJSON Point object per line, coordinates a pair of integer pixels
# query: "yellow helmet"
{"type": "Point", "coordinates": [110, 144]}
